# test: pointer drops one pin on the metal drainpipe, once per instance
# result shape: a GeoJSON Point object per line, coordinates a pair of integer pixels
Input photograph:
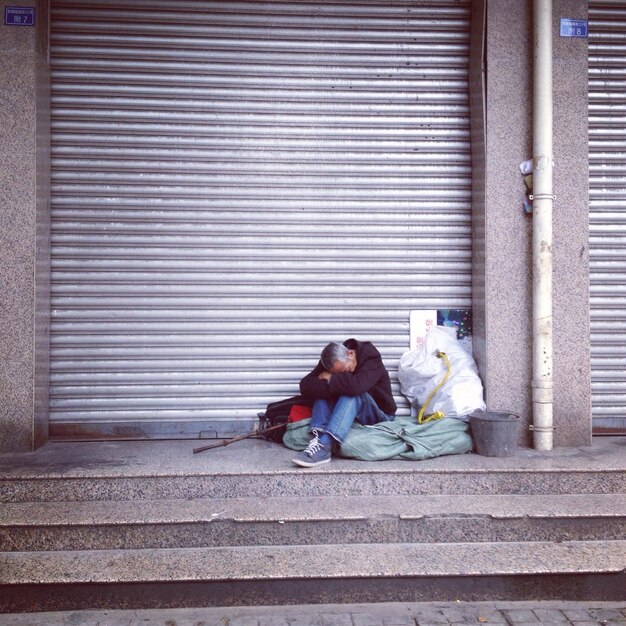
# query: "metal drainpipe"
{"type": "Point", "coordinates": [542, 227]}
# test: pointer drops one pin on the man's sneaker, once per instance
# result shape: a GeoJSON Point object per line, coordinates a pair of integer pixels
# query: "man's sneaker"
{"type": "Point", "coordinates": [315, 454]}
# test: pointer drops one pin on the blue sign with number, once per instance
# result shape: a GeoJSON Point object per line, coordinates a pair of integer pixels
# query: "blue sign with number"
{"type": "Point", "coordinates": [19, 16]}
{"type": "Point", "coordinates": [574, 28]}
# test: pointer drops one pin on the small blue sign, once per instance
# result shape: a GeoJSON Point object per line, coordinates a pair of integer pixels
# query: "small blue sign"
{"type": "Point", "coordinates": [574, 28]}
{"type": "Point", "coordinates": [19, 16]}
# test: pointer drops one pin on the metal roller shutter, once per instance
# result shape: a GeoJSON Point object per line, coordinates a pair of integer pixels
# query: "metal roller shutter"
{"type": "Point", "coordinates": [237, 183]}
{"type": "Point", "coordinates": [607, 204]}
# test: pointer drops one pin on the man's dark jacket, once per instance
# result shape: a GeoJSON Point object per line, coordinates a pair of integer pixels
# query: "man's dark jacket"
{"type": "Point", "coordinates": [369, 376]}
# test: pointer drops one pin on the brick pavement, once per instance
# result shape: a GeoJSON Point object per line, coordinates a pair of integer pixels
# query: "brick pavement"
{"type": "Point", "coordinates": [386, 614]}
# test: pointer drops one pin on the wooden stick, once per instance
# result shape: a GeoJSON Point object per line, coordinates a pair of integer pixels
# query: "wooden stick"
{"type": "Point", "coordinates": [226, 442]}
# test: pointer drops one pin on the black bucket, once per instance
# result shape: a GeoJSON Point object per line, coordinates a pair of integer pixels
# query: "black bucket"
{"type": "Point", "coordinates": [494, 434]}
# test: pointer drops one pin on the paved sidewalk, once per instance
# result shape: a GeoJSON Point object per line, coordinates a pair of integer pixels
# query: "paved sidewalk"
{"type": "Point", "coordinates": [389, 614]}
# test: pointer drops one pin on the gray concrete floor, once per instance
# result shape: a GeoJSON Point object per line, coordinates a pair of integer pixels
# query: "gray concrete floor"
{"type": "Point", "coordinates": [388, 614]}
{"type": "Point", "coordinates": [176, 458]}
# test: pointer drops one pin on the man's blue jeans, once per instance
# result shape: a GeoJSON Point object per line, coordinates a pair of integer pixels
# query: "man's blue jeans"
{"type": "Point", "coordinates": [336, 417]}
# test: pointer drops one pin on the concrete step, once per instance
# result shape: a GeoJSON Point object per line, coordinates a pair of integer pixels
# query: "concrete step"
{"type": "Point", "coordinates": [242, 525]}
{"type": "Point", "coordinates": [80, 471]}
{"type": "Point", "coordinates": [330, 561]}
{"type": "Point", "coordinates": [373, 480]}
{"type": "Point", "coordinates": [322, 573]}
{"type": "Point", "coordinates": [98, 525]}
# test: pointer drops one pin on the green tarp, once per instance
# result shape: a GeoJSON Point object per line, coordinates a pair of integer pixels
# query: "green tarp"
{"type": "Point", "coordinates": [403, 438]}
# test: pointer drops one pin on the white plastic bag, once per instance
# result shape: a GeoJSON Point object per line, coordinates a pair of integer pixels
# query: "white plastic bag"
{"type": "Point", "coordinates": [421, 371]}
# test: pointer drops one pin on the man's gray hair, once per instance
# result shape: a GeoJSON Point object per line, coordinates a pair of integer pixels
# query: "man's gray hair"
{"type": "Point", "coordinates": [333, 352]}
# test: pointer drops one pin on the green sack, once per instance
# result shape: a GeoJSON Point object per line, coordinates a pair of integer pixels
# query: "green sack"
{"type": "Point", "coordinates": [403, 438]}
{"type": "Point", "coordinates": [297, 435]}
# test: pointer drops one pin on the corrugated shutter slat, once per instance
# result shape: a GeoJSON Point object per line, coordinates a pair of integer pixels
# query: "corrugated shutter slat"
{"type": "Point", "coordinates": [237, 183]}
{"type": "Point", "coordinates": [607, 201]}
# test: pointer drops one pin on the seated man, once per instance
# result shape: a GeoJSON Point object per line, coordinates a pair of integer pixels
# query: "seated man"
{"type": "Point", "coordinates": [349, 383]}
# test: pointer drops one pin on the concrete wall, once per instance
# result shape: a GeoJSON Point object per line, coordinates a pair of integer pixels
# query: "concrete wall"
{"type": "Point", "coordinates": [502, 130]}
{"type": "Point", "coordinates": [24, 232]}
{"type": "Point", "coordinates": [572, 374]}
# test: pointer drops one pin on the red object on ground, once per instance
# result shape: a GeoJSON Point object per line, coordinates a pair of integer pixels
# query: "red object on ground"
{"type": "Point", "coordinates": [299, 412]}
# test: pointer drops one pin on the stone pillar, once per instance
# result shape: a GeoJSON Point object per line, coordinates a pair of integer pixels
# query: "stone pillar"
{"type": "Point", "coordinates": [501, 102]}
{"type": "Point", "coordinates": [572, 345]}
{"type": "Point", "coordinates": [24, 231]}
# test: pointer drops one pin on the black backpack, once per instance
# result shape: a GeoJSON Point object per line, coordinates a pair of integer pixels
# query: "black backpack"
{"type": "Point", "coordinates": [277, 414]}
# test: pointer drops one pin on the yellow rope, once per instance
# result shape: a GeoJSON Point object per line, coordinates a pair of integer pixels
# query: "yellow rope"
{"type": "Point", "coordinates": [421, 418]}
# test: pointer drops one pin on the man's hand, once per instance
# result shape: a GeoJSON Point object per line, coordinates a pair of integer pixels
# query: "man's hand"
{"type": "Point", "coordinates": [325, 376]}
